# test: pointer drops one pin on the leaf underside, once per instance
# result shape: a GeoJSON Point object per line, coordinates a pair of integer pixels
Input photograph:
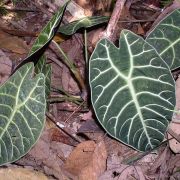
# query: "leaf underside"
{"type": "Point", "coordinates": [86, 22]}
{"type": "Point", "coordinates": [165, 38]}
{"type": "Point", "coordinates": [22, 113]}
{"type": "Point", "coordinates": [132, 91]}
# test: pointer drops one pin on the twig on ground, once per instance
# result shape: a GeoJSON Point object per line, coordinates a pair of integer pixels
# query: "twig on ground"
{"type": "Point", "coordinates": [109, 33]}
{"type": "Point", "coordinates": [173, 134]}
{"type": "Point", "coordinates": [74, 112]}
{"type": "Point", "coordinates": [50, 116]}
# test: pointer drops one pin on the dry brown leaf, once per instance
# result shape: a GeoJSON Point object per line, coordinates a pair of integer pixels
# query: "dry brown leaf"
{"type": "Point", "coordinates": [47, 154]}
{"type": "Point", "coordinates": [21, 174]}
{"type": "Point", "coordinates": [87, 161]}
{"type": "Point", "coordinates": [5, 67]}
{"type": "Point", "coordinates": [175, 123]}
{"type": "Point", "coordinates": [12, 43]}
{"type": "Point", "coordinates": [173, 143]}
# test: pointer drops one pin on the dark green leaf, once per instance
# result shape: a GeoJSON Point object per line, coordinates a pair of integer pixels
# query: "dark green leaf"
{"type": "Point", "coordinates": [86, 22]}
{"type": "Point", "coordinates": [44, 38]}
{"type": "Point", "coordinates": [165, 38]}
{"type": "Point", "coordinates": [133, 91]}
{"type": "Point", "coordinates": [22, 113]}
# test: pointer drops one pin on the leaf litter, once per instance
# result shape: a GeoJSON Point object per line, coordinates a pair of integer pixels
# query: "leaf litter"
{"type": "Point", "coordinates": [98, 156]}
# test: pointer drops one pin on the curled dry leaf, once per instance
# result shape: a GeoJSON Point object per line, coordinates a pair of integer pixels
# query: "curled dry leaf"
{"type": "Point", "coordinates": [87, 161]}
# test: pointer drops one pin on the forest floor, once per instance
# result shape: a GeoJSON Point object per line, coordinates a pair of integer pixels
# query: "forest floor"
{"type": "Point", "coordinates": [79, 148]}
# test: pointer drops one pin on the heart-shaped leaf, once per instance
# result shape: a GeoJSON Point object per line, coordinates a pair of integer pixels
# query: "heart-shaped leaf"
{"type": "Point", "coordinates": [165, 38]}
{"type": "Point", "coordinates": [133, 91]}
{"type": "Point", "coordinates": [22, 113]}
{"type": "Point", "coordinates": [86, 22]}
{"type": "Point", "coordinates": [44, 38]}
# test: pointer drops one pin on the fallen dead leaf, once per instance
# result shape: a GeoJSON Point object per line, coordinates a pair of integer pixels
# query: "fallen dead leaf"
{"type": "Point", "coordinates": [5, 67]}
{"type": "Point", "coordinates": [47, 154]}
{"type": "Point", "coordinates": [21, 174]}
{"type": "Point", "coordinates": [123, 172]}
{"type": "Point", "coordinates": [174, 126]}
{"type": "Point", "coordinates": [87, 161]}
{"type": "Point", "coordinates": [12, 43]}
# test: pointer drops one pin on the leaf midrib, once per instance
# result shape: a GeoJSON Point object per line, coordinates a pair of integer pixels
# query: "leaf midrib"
{"type": "Point", "coordinates": [133, 92]}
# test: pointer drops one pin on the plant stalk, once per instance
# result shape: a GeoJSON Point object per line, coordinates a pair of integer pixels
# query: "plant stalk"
{"type": "Point", "coordinates": [85, 46]}
{"type": "Point", "coordinates": [71, 66]}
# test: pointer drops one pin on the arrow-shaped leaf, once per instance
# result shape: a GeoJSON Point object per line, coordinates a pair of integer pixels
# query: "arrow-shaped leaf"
{"type": "Point", "coordinates": [86, 22]}
{"type": "Point", "coordinates": [22, 113]}
{"type": "Point", "coordinates": [44, 38]}
{"type": "Point", "coordinates": [165, 38]}
{"type": "Point", "coordinates": [133, 91]}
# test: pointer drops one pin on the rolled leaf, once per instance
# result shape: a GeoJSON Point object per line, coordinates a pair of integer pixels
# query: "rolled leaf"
{"type": "Point", "coordinates": [132, 91]}
{"type": "Point", "coordinates": [44, 38]}
{"type": "Point", "coordinates": [165, 38]}
{"type": "Point", "coordinates": [22, 113]}
{"type": "Point", "coordinates": [86, 22]}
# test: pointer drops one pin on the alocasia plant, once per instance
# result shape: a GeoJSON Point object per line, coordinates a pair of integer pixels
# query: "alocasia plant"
{"type": "Point", "coordinates": [23, 98]}
{"type": "Point", "coordinates": [22, 113]}
{"type": "Point", "coordinates": [44, 38]}
{"type": "Point", "coordinates": [133, 91]}
{"type": "Point", "coordinates": [165, 38]}
{"type": "Point", "coordinates": [86, 22]}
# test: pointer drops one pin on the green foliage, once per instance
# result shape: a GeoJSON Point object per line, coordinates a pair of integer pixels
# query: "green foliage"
{"type": "Point", "coordinates": [23, 98]}
{"type": "Point", "coordinates": [86, 22]}
{"type": "Point", "coordinates": [133, 91]}
{"type": "Point", "coordinates": [165, 2]}
{"type": "Point", "coordinates": [45, 37]}
{"type": "Point", "coordinates": [22, 113]}
{"type": "Point", "coordinates": [3, 10]}
{"type": "Point", "coordinates": [165, 38]}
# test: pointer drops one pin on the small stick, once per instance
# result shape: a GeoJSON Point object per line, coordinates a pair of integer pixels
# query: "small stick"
{"type": "Point", "coordinates": [50, 116]}
{"type": "Point", "coordinates": [173, 134]}
{"type": "Point", "coordinates": [74, 112]}
{"type": "Point", "coordinates": [112, 25]}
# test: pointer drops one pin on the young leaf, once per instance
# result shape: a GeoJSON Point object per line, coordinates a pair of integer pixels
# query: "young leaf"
{"type": "Point", "coordinates": [22, 113]}
{"type": "Point", "coordinates": [44, 38]}
{"type": "Point", "coordinates": [165, 38]}
{"type": "Point", "coordinates": [133, 91]}
{"type": "Point", "coordinates": [86, 22]}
